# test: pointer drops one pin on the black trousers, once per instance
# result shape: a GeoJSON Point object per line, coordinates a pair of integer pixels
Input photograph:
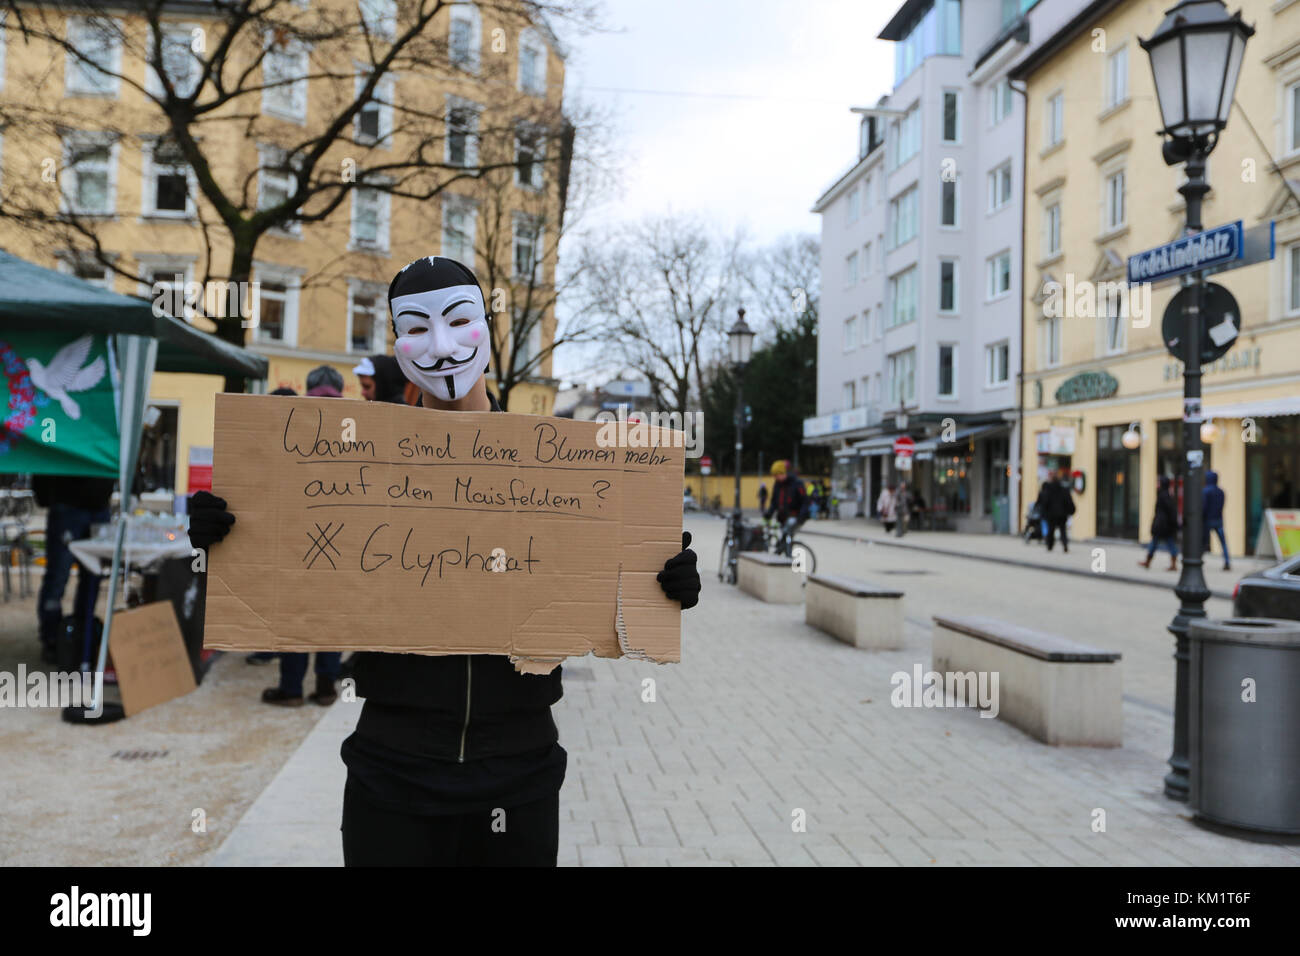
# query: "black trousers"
{"type": "Point", "coordinates": [1052, 528]}
{"type": "Point", "coordinates": [526, 835]}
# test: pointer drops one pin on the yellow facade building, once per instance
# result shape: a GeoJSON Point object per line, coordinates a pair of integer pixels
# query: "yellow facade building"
{"type": "Point", "coordinates": [321, 286]}
{"type": "Point", "coordinates": [1097, 191]}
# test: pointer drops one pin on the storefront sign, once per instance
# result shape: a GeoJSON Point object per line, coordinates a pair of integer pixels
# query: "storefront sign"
{"type": "Point", "coordinates": [1236, 362]}
{"type": "Point", "coordinates": [1086, 387]}
{"type": "Point", "coordinates": [1283, 528]}
{"type": "Point", "coordinates": [844, 421]}
{"type": "Point", "coordinates": [1058, 440]}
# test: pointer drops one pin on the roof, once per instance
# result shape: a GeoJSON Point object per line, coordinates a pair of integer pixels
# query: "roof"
{"type": "Point", "coordinates": [1053, 44]}
{"type": "Point", "coordinates": [896, 28]}
{"type": "Point", "coordinates": [33, 297]}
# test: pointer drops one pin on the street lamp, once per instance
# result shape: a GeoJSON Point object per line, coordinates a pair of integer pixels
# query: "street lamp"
{"type": "Point", "coordinates": [741, 341]}
{"type": "Point", "coordinates": [1196, 55]}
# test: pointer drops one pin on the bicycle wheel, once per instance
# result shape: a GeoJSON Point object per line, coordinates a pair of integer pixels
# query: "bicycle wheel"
{"type": "Point", "coordinates": [727, 563]}
{"type": "Point", "coordinates": [809, 559]}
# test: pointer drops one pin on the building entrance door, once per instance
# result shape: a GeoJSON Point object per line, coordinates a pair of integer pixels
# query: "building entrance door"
{"type": "Point", "coordinates": [1272, 470]}
{"type": "Point", "coordinates": [1117, 485]}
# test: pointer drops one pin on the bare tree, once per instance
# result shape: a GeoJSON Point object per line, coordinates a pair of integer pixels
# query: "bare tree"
{"type": "Point", "coordinates": [203, 94]}
{"type": "Point", "coordinates": [660, 293]}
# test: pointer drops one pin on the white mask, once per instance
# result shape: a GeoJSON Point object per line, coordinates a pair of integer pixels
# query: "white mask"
{"type": "Point", "coordinates": [442, 339]}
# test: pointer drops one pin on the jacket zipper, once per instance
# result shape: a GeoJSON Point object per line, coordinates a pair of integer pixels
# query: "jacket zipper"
{"type": "Point", "coordinates": [469, 675]}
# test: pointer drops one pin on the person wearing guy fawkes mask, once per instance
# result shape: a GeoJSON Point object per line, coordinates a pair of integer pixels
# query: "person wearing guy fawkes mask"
{"type": "Point", "coordinates": [443, 742]}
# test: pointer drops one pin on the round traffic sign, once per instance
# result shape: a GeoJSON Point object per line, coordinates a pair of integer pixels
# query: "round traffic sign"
{"type": "Point", "coordinates": [1220, 322]}
{"type": "Point", "coordinates": [904, 446]}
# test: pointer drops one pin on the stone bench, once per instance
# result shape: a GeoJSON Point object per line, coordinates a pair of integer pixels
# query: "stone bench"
{"type": "Point", "coordinates": [856, 612]}
{"type": "Point", "coordinates": [1055, 689]}
{"type": "Point", "coordinates": [769, 577]}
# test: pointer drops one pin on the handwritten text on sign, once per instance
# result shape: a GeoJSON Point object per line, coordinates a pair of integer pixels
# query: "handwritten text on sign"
{"type": "Point", "coordinates": [376, 526]}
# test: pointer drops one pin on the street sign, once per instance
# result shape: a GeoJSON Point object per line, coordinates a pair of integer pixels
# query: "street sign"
{"type": "Point", "coordinates": [1258, 244]}
{"type": "Point", "coordinates": [904, 447]}
{"type": "Point", "coordinates": [1213, 247]}
{"type": "Point", "coordinates": [1220, 322]}
{"type": "Point", "coordinates": [903, 462]}
{"type": "Point", "coordinates": [706, 464]}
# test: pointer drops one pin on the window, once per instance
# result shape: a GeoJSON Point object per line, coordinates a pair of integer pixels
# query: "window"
{"type": "Point", "coordinates": [87, 268]}
{"type": "Point", "coordinates": [379, 17]}
{"type": "Point", "coordinates": [276, 309]}
{"type": "Point", "coordinates": [906, 137]}
{"type": "Point", "coordinates": [900, 377]}
{"type": "Point", "coordinates": [947, 285]}
{"type": "Point", "coordinates": [458, 221]}
{"type": "Point", "coordinates": [1052, 229]}
{"type": "Point", "coordinates": [1293, 279]}
{"type": "Point", "coordinates": [866, 327]}
{"type": "Point", "coordinates": [947, 371]}
{"type": "Point", "coordinates": [178, 62]}
{"type": "Point", "coordinates": [465, 38]}
{"type": "Point", "coordinates": [370, 218]}
{"type": "Point", "coordinates": [902, 218]}
{"type": "Point", "coordinates": [1293, 118]}
{"type": "Point", "coordinates": [526, 236]}
{"type": "Point", "coordinates": [850, 333]}
{"type": "Point", "coordinates": [1116, 323]}
{"type": "Point", "coordinates": [935, 31]}
{"type": "Point", "coordinates": [525, 348]}
{"type": "Point", "coordinates": [532, 63]}
{"type": "Point", "coordinates": [1000, 187]}
{"type": "Point", "coordinates": [1012, 9]}
{"type": "Point", "coordinates": [951, 116]}
{"type": "Point", "coordinates": [849, 395]}
{"type": "Point", "coordinates": [89, 176]}
{"type": "Point", "coordinates": [948, 203]}
{"type": "Point", "coordinates": [997, 364]}
{"type": "Point", "coordinates": [1117, 77]}
{"type": "Point", "coordinates": [284, 79]}
{"type": "Point", "coordinates": [867, 263]}
{"type": "Point", "coordinates": [529, 156]}
{"type": "Point", "coordinates": [462, 133]}
{"type": "Point", "coordinates": [854, 205]}
{"type": "Point", "coordinates": [902, 298]}
{"type": "Point", "coordinates": [1054, 119]}
{"type": "Point", "coordinates": [93, 69]}
{"type": "Point", "coordinates": [1000, 101]}
{"type": "Point", "coordinates": [1115, 211]}
{"type": "Point", "coordinates": [367, 317]}
{"type": "Point", "coordinates": [999, 268]}
{"type": "Point", "coordinates": [1051, 341]}
{"type": "Point", "coordinates": [164, 285]}
{"type": "Point", "coordinates": [851, 269]}
{"type": "Point", "coordinates": [276, 182]}
{"type": "Point", "coordinates": [166, 180]}
{"type": "Point", "coordinates": [374, 121]}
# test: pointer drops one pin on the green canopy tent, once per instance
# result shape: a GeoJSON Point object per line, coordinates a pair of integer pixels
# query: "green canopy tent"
{"type": "Point", "coordinates": [77, 361]}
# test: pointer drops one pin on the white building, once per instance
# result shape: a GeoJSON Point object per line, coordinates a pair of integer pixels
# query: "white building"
{"type": "Point", "coordinates": [921, 266]}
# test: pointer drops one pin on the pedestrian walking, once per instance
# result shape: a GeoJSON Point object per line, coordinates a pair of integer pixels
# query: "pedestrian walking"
{"type": "Point", "coordinates": [76, 504]}
{"type": "Point", "coordinates": [1056, 504]}
{"type": "Point", "coordinates": [762, 496]}
{"type": "Point", "coordinates": [1212, 499]}
{"type": "Point", "coordinates": [1164, 526]}
{"type": "Point", "coordinates": [885, 505]}
{"type": "Point", "coordinates": [902, 509]}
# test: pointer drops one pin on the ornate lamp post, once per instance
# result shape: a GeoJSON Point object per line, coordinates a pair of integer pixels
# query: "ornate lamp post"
{"type": "Point", "coordinates": [1196, 55]}
{"type": "Point", "coordinates": [741, 341]}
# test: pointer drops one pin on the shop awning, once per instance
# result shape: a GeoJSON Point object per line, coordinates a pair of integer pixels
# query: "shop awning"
{"type": "Point", "coordinates": [880, 445]}
{"type": "Point", "coordinates": [1264, 408]}
{"type": "Point", "coordinates": [925, 449]}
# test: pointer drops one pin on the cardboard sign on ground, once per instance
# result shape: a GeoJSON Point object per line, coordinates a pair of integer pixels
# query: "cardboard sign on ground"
{"type": "Point", "coordinates": [149, 657]}
{"type": "Point", "coordinates": [371, 526]}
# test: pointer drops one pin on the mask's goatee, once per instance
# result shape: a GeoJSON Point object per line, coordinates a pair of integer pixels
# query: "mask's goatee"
{"type": "Point", "coordinates": [451, 386]}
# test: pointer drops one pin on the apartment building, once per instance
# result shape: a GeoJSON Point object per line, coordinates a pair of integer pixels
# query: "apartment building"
{"type": "Point", "coordinates": [83, 142]}
{"type": "Point", "coordinates": [921, 251]}
{"type": "Point", "coordinates": [1097, 191]}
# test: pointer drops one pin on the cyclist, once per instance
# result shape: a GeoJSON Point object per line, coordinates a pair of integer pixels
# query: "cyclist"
{"type": "Point", "coordinates": [789, 501]}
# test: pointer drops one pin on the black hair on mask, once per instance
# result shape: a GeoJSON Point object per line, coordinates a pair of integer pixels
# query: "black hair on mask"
{"type": "Point", "coordinates": [426, 274]}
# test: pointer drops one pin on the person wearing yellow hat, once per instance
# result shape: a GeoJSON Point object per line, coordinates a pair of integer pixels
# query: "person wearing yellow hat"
{"type": "Point", "coordinates": [789, 499]}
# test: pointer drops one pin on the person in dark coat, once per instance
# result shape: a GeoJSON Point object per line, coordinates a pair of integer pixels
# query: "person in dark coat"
{"type": "Point", "coordinates": [1164, 526]}
{"type": "Point", "coordinates": [381, 380]}
{"type": "Point", "coordinates": [1212, 499]}
{"type": "Point", "coordinates": [76, 504]}
{"type": "Point", "coordinates": [1056, 504]}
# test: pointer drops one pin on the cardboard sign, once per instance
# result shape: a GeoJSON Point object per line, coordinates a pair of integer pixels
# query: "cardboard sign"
{"type": "Point", "coordinates": [370, 526]}
{"type": "Point", "coordinates": [149, 656]}
{"type": "Point", "coordinates": [1279, 532]}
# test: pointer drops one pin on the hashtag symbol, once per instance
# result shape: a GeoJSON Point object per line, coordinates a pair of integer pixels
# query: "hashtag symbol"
{"type": "Point", "coordinates": [319, 542]}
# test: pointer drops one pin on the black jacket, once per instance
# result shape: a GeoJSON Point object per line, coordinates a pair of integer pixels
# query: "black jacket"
{"type": "Point", "coordinates": [789, 500]}
{"type": "Point", "coordinates": [458, 707]}
{"type": "Point", "coordinates": [1165, 521]}
{"type": "Point", "coordinates": [1055, 501]}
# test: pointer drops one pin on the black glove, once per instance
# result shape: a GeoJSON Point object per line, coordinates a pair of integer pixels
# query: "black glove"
{"type": "Point", "coordinates": [679, 579]}
{"type": "Point", "coordinates": [209, 519]}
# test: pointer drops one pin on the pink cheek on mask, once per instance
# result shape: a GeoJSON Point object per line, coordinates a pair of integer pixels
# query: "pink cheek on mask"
{"type": "Point", "coordinates": [406, 347]}
{"type": "Point", "coordinates": [474, 336]}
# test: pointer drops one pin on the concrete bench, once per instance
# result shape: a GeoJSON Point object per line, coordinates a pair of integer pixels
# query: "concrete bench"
{"type": "Point", "coordinates": [769, 577]}
{"type": "Point", "coordinates": [1055, 689]}
{"type": "Point", "coordinates": [854, 611]}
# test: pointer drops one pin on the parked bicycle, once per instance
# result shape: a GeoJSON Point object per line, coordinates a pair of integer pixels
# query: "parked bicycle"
{"type": "Point", "coordinates": [781, 540]}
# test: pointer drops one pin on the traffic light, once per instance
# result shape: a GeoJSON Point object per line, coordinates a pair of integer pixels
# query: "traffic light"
{"type": "Point", "coordinates": [749, 415]}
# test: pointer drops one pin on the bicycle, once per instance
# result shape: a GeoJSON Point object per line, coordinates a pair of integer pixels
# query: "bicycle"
{"type": "Point", "coordinates": [781, 541]}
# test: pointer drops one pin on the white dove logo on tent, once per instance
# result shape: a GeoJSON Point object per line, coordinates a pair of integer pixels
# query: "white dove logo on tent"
{"type": "Point", "coordinates": [64, 374]}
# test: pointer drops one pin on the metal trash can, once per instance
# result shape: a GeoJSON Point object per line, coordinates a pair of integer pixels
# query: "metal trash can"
{"type": "Point", "coordinates": [1243, 723]}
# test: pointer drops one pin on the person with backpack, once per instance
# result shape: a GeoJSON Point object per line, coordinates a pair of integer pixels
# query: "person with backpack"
{"type": "Point", "coordinates": [447, 747]}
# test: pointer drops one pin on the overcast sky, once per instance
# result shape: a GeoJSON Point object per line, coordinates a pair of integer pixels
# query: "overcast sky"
{"type": "Point", "coordinates": [748, 120]}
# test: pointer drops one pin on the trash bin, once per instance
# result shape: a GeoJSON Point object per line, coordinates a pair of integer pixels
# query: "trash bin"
{"type": "Point", "coordinates": [1001, 514]}
{"type": "Point", "coordinates": [1244, 723]}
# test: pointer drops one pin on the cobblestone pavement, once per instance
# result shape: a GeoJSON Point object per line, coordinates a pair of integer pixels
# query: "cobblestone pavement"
{"type": "Point", "coordinates": [767, 722]}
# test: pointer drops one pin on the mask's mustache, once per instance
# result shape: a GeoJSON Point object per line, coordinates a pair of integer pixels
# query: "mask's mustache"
{"type": "Point", "coordinates": [446, 361]}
